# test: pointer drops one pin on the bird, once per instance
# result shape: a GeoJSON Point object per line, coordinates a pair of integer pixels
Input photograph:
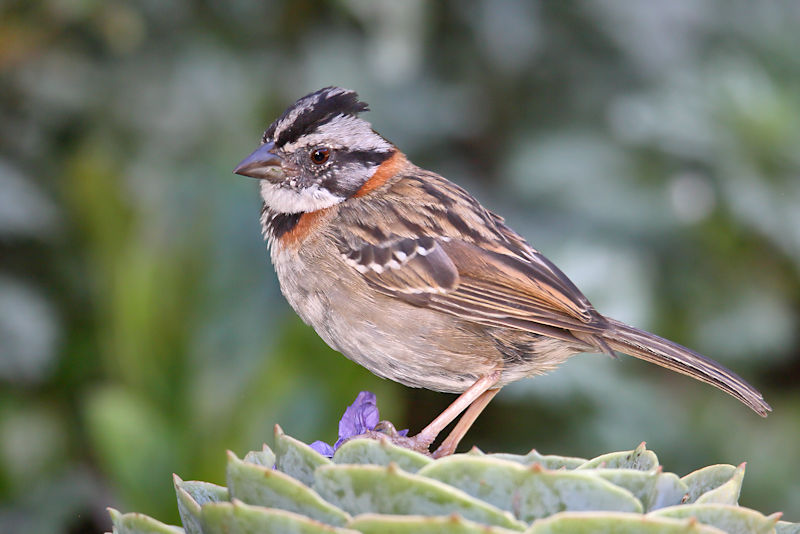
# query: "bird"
{"type": "Point", "coordinates": [405, 273]}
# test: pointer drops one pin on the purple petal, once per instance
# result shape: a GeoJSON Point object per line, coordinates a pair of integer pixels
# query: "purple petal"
{"type": "Point", "coordinates": [403, 433]}
{"type": "Point", "coordinates": [359, 417]}
{"type": "Point", "coordinates": [323, 448]}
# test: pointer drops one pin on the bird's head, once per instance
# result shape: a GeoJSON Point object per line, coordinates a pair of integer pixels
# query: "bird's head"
{"type": "Point", "coordinates": [318, 153]}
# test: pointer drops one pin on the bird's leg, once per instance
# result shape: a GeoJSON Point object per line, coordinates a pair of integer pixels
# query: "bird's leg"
{"type": "Point", "coordinates": [450, 443]}
{"type": "Point", "coordinates": [476, 390]}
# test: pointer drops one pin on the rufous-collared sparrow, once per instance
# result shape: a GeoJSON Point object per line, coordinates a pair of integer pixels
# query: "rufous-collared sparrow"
{"type": "Point", "coordinates": [405, 273]}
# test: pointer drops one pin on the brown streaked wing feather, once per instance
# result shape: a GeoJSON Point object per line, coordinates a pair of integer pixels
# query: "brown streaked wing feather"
{"type": "Point", "coordinates": [519, 289]}
{"type": "Point", "coordinates": [553, 287]}
{"type": "Point", "coordinates": [472, 283]}
{"type": "Point", "coordinates": [479, 269]}
{"type": "Point", "coordinates": [409, 268]}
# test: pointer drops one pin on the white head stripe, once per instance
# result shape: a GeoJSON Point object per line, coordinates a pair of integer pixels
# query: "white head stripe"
{"type": "Point", "coordinates": [343, 131]}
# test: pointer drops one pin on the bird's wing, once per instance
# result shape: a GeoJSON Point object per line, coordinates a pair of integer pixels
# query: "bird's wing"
{"type": "Point", "coordinates": [518, 287]}
{"type": "Point", "coordinates": [436, 246]}
{"type": "Point", "coordinates": [476, 284]}
{"type": "Point", "coordinates": [409, 268]}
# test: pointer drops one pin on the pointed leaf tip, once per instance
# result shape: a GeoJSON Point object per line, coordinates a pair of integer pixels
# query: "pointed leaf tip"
{"type": "Point", "coordinates": [775, 517]}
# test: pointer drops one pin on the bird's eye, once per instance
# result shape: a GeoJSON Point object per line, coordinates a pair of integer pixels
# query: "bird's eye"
{"type": "Point", "coordinates": [320, 155]}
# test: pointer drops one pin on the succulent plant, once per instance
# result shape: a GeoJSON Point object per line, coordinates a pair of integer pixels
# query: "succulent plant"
{"type": "Point", "coordinates": [374, 486]}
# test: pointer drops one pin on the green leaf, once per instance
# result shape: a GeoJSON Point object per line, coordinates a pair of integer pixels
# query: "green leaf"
{"type": "Point", "coordinates": [417, 524]}
{"type": "Point", "coordinates": [731, 519]}
{"type": "Point", "coordinates": [669, 490]}
{"type": "Point", "coordinates": [639, 458]}
{"type": "Point", "coordinates": [263, 457]}
{"type": "Point", "coordinates": [134, 523]}
{"type": "Point", "coordinates": [641, 484]}
{"type": "Point", "coordinates": [192, 495]}
{"type": "Point", "coordinates": [727, 493]}
{"type": "Point", "coordinates": [706, 479]}
{"type": "Point", "coordinates": [240, 518]}
{"type": "Point", "coordinates": [264, 486]}
{"type": "Point", "coordinates": [379, 452]}
{"type": "Point", "coordinates": [295, 458]}
{"type": "Point", "coordinates": [529, 492]}
{"type": "Point", "coordinates": [390, 490]}
{"type": "Point", "coordinates": [548, 461]}
{"type": "Point", "coordinates": [461, 494]}
{"type": "Point", "coordinates": [616, 523]}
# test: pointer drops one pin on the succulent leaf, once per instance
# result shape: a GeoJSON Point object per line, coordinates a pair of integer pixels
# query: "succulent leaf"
{"type": "Point", "coordinates": [263, 457]}
{"type": "Point", "coordinates": [239, 518]}
{"type": "Point", "coordinates": [641, 484]}
{"type": "Point", "coordinates": [640, 458]}
{"type": "Point", "coordinates": [530, 492]}
{"type": "Point", "coordinates": [192, 495]}
{"type": "Point", "coordinates": [417, 524]}
{"type": "Point", "coordinates": [727, 493]}
{"type": "Point", "coordinates": [617, 523]}
{"type": "Point", "coordinates": [731, 519]}
{"type": "Point", "coordinates": [258, 485]}
{"type": "Point", "coordinates": [295, 458]}
{"type": "Point", "coordinates": [784, 527]}
{"type": "Point", "coordinates": [669, 490]}
{"type": "Point", "coordinates": [374, 486]}
{"type": "Point", "coordinates": [389, 490]}
{"type": "Point", "coordinates": [548, 461]}
{"type": "Point", "coordinates": [707, 479]}
{"type": "Point", "coordinates": [379, 452]}
{"type": "Point", "coordinates": [134, 523]}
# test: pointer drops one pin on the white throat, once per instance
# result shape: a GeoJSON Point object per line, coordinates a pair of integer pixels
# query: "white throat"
{"type": "Point", "coordinates": [290, 200]}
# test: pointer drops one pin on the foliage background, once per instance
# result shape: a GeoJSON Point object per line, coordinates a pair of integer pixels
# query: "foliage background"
{"type": "Point", "coordinates": [649, 148]}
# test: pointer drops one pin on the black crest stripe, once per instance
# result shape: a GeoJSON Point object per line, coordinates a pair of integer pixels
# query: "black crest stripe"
{"type": "Point", "coordinates": [318, 108]}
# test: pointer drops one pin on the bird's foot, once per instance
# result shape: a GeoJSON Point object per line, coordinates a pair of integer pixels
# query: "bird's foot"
{"type": "Point", "coordinates": [385, 430]}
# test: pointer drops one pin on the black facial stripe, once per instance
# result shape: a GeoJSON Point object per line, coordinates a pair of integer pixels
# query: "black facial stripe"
{"type": "Point", "coordinates": [366, 158]}
{"type": "Point", "coordinates": [280, 223]}
{"type": "Point", "coordinates": [340, 188]}
{"type": "Point", "coordinates": [320, 107]}
{"type": "Point", "coordinates": [341, 160]}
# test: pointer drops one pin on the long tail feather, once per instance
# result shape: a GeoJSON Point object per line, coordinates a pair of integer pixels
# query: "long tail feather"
{"type": "Point", "coordinates": [651, 348]}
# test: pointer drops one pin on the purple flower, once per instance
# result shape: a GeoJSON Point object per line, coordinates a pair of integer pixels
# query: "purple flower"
{"type": "Point", "coordinates": [323, 448]}
{"type": "Point", "coordinates": [358, 418]}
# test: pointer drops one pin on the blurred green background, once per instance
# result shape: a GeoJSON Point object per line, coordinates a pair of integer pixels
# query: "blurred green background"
{"type": "Point", "coordinates": [650, 149]}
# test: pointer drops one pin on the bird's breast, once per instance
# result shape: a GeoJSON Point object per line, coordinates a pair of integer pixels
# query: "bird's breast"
{"type": "Point", "coordinates": [408, 344]}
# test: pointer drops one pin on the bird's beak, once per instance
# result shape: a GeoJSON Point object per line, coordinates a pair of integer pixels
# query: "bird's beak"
{"type": "Point", "coordinates": [262, 163]}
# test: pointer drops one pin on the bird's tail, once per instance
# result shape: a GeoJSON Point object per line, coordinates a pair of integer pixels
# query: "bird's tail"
{"type": "Point", "coordinates": [651, 348]}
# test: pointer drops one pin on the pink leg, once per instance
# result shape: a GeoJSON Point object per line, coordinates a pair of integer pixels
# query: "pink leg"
{"type": "Point", "coordinates": [450, 443]}
{"type": "Point", "coordinates": [476, 390]}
